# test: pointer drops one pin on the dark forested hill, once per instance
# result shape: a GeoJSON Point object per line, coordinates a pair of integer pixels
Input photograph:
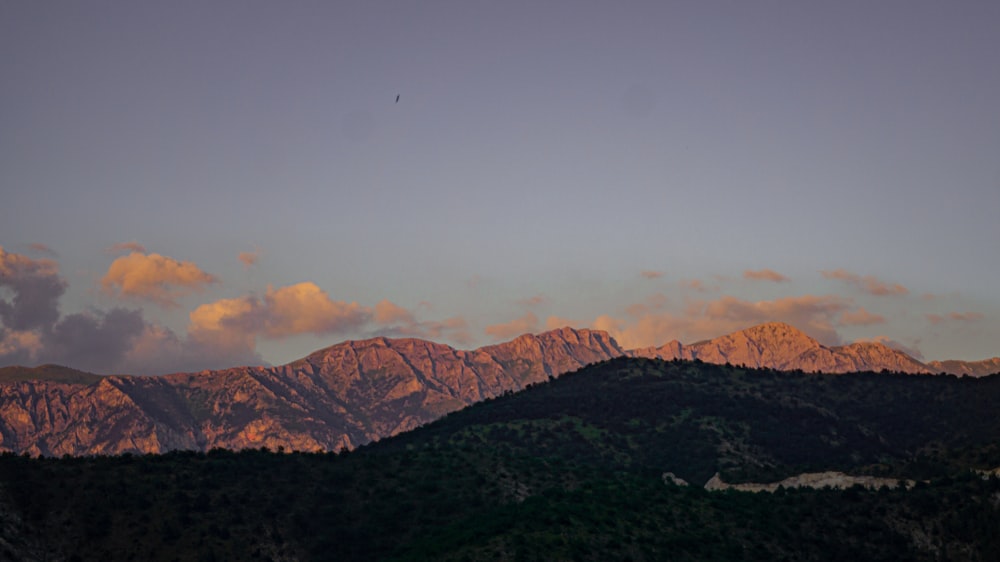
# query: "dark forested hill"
{"type": "Point", "coordinates": [570, 469]}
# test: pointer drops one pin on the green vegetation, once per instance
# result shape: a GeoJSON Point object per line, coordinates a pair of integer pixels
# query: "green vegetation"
{"type": "Point", "coordinates": [566, 470]}
{"type": "Point", "coordinates": [53, 373]}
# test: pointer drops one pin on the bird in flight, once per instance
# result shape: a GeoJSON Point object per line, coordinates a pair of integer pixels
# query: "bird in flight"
{"type": "Point", "coordinates": [397, 98]}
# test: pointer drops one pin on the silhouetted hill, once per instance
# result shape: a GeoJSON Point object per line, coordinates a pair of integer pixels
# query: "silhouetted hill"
{"type": "Point", "coordinates": [358, 391]}
{"type": "Point", "coordinates": [50, 373]}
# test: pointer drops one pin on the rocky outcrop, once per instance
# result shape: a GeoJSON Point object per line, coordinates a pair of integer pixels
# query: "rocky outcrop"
{"type": "Point", "coordinates": [779, 346]}
{"type": "Point", "coordinates": [967, 368]}
{"type": "Point", "coordinates": [817, 480]}
{"type": "Point", "coordinates": [339, 397]}
{"type": "Point", "coordinates": [354, 392]}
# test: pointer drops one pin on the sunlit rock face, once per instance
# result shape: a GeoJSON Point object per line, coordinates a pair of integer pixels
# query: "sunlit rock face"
{"type": "Point", "coordinates": [338, 397]}
{"type": "Point", "coordinates": [359, 391]}
{"type": "Point", "coordinates": [967, 368]}
{"type": "Point", "coordinates": [779, 346]}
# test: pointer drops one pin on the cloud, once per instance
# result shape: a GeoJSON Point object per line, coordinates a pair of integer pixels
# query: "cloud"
{"type": "Point", "coordinates": [652, 304]}
{"type": "Point", "coordinates": [302, 308]}
{"type": "Point", "coordinates": [42, 249]}
{"type": "Point", "coordinates": [127, 247]}
{"type": "Point", "coordinates": [232, 326]}
{"type": "Point", "coordinates": [694, 285]}
{"type": "Point", "coordinates": [155, 278]}
{"type": "Point", "coordinates": [33, 331]}
{"type": "Point", "coordinates": [94, 341]}
{"type": "Point", "coordinates": [651, 274]}
{"type": "Point", "coordinates": [556, 322]}
{"type": "Point", "coordinates": [398, 321]}
{"type": "Point", "coordinates": [36, 287]}
{"type": "Point", "coordinates": [861, 317]}
{"type": "Point", "coordinates": [527, 323]}
{"type": "Point", "coordinates": [19, 347]}
{"type": "Point", "coordinates": [533, 301]}
{"type": "Point", "coordinates": [648, 326]}
{"type": "Point", "coordinates": [387, 312]}
{"type": "Point", "coordinates": [867, 283]}
{"type": "Point", "coordinates": [249, 258]}
{"type": "Point", "coordinates": [765, 275]}
{"type": "Point", "coordinates": [474, 281]}
{"type": "Point", "coordinates": [954, 317]}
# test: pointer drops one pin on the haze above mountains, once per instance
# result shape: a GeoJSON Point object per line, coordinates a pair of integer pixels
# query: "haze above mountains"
{"type": "Point", "coordinates": [359, 391]}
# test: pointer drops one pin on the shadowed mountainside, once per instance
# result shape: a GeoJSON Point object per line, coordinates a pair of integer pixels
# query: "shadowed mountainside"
{"type": "Point", "coordinates": [587, 466]}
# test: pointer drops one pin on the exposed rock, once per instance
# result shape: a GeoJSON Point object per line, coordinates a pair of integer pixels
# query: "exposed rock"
{"type": "Point", "coordinates": [967, 368]}
{"type": "Point", "coordinates": [670, 477]}
{"type": "Point", "coordinates": [817, 480]}
{"type": "Point", "coordinates": [339, 397]}
{"type": "Point", "coordinates": [357, 391]}
{"type": "Point", "coordinates": [779, 346]}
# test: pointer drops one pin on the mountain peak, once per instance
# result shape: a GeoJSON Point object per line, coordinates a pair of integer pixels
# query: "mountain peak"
{"type": "Point", "coordinates": [779, 330]}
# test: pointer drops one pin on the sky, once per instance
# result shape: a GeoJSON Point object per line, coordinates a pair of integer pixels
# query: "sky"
{"type": "Point", "coordinates": [191, 185]}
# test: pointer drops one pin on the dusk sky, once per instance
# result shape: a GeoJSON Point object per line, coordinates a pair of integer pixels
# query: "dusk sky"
{"type": "Point", "coordinates": [192, 185]}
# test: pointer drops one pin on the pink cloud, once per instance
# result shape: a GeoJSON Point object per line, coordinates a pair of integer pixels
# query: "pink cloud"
{"type": "Point", "coordinates": [302, 308]}
{"type": "Point", "coordinates": [387, 312]}
{"type": "Point", "coordinates": [398, 321]}
{"type": "Point", "coordinates": [765, 275]}
{"type": "Point", "coordinates": [155, 278]}
{"type": "Point", "coordinates": [867, 283]}
{"type": "Point", "coordinates": [645, 326]}
{"type": "Point", "coordinates": [694, 285]}
{"type": "Point", "coordinates": [653, 304]}
{"type": "Point", "coordinates": [249, 259]}
{"type": "Point", "coordinates": [42, 249]}
{"type": "Point", "coordinates": [954, 317]}
{"type": "Point", "coordinates": [556, 322]}
{"type": "Point", "coordinates": [127, 247]}
{"type": "Point", "coordinates": [527, 323]}
{"type": "Point", "coordinates": [861, 317]}
{"type": "Point", "coordinates": [119, 340]}
{"type": "Point", "coordinates": [305, 308]}
{"type": "Point", "coordinates": [651, 274]}
{"type": "Point", "coordinates": [533, 301]}
{"type": "Point", "coordinates": [232, 326]}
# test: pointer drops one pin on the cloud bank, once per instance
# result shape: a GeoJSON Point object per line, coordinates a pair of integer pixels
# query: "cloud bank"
{"type": "Point", "coordinates": [154, 278]}
{"type": "Point", "coordinates": [867, 283]}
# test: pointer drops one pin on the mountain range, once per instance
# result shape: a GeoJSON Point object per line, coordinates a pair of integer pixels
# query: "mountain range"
{"type": "Point", "coordinates": [359, 391]}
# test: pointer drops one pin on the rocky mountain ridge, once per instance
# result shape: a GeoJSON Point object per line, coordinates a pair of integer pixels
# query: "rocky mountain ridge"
{"type": "Point", "coordinates": [777, 345]}
{"type": "Point", "coordinates": [338, 397]}
{"type": "Point", "coordinates": [359, 391]}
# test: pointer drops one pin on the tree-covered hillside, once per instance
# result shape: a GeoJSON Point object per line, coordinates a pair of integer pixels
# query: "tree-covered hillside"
{"type": "Point", "coordinates": [571, 469]}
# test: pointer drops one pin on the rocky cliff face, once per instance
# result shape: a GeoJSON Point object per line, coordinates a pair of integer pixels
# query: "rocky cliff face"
{"type": "Point", "coordinates": [816, 480]}
{"type": "Point", "coordinates": [967, 368]}
{"type": "Point", "coordinates": [358, 391]}
{"type": "Point", "coordinates": [341, 396]}
{"type": "Point", "coordinates": [779, 346]}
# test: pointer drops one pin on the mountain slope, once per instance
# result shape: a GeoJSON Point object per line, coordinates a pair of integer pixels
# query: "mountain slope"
{"type": "Point", "coordinates": [967, 368]}
{"type": "Point", "coordinates": [54, 373]}
{"type": "Point", "coordinates": [338, 397]}
{"type": "Point", "coordinates": [576, 468]}
{"type": "Point", "coordinates": [777, 345]}
{"type": "Point", "coordinates": [358, 391]}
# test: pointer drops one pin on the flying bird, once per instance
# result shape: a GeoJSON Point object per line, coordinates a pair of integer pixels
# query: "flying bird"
{"type": "Point", "coordinates": [397, 98]}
